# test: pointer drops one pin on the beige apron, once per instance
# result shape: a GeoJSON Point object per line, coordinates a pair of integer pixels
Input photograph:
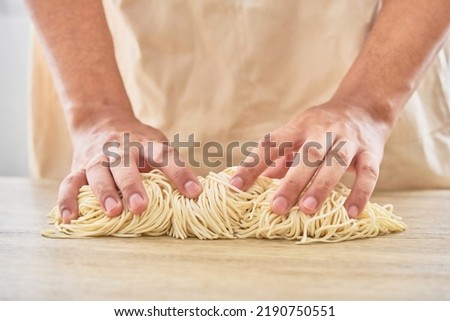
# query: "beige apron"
{"type": "Point", "coordinates": [233, 70]}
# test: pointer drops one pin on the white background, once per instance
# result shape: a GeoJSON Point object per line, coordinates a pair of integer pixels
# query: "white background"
{"type": "Point", "coordinates": [15, 28]}
{"type": "Point", "coordinates": [104, 310]}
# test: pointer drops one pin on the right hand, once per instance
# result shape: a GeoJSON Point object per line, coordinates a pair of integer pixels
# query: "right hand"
{"type": "Point", "coordinates": [91, 166]}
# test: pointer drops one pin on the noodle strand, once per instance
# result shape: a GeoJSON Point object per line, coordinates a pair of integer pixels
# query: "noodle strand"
{"type": "Point", "coordinates": [224, 212]}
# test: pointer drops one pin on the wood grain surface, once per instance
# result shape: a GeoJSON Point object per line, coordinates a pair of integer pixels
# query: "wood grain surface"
{"type": "Point", "coordinates": [414, 265]}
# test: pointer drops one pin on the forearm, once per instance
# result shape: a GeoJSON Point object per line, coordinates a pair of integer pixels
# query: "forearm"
{"type": "Point", "coordinates": [80, 52]}
{"type": "Point", "coordinates": [405, 38]}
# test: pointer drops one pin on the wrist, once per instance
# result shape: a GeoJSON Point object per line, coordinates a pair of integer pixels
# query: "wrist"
{"type": "Point", "coordinates": [99, 116]}
{"type": "Point", "coordinates": [377, 107]}
{"type": "Point", "coordinates": [373, 116]}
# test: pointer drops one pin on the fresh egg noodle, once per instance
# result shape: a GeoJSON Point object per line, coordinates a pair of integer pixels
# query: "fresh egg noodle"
{"type": "Point", "coordinates": [224, 212]}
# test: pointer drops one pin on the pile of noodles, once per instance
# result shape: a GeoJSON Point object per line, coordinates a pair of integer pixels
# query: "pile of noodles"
{"type": "Point", "coordinates": [222, 211]}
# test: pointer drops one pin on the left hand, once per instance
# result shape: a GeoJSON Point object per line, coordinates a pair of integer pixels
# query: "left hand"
{"type": "Point", "coordinates": [313, 151]}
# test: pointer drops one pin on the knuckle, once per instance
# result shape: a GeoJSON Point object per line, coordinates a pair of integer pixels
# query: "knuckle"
{"type": "Point", "coordinates": [180, 174]}
{"type": "Point", "coordinates": [315, 154]}
{"type": "Point", "coordinates": [96, 163]}
{"type": "Point", "coordinates": [65, 202]}
{"type": "Point", "coordinates": [124, 154]}
{"type": "Point", "coordinates": [164, 153]}
{"type": "Point", "coordinates": [112, 136]}
{"type": "Point", "coordinates": [346, 129]}
{"type": "Point", "coordinates": [72, 181]}
{"type": "Point", "coordinates": [369, 171]}
{"type": "Point", "coordinates": [73, 177]}
{"type": "Point", "coordinates": [323, 187]}
{"type": "Point", "coordinates": [344, 156]}
{"type": "Point", "coordinates": [248, 172]}
{"type": "Point", "coordinates": [129, 187]}
{"type": "Point", "coordinates": [362, 196]}
{"type": "Point", "coordinates": [291, 187]}
{"type": "Point", "coordinates": [102, 190]}
{"type": "Point", "coordinates": [68, 190]}
{"type": "Point", "coordinates": [248, 165]}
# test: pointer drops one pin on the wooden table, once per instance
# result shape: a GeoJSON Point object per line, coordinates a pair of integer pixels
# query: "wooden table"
{"type": "Point", "coordinates": [410, 265]}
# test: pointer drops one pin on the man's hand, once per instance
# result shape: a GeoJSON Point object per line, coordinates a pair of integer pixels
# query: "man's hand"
{"type": "Point", "coordinates": [80, 50]}
{"type": "Point", "coordinates": [313, 151]}
{"type": "Point", "coordinates": [403, 42]}
{"type": "Point", "coordinates": [109, 175]}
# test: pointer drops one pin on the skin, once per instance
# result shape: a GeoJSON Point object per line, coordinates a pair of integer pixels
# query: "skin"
{"type": "Point", "coordinates": [401, 45]}
{"type": "Point", "coordinates": [97, 109]}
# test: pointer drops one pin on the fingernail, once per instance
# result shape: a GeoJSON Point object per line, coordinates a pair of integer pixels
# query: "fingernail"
{"type": "Point", "coordinates": [110, 203]}
{"type": "Point", "coordinates": [280, 204]}
{"type": "Point", "coordinates": [66, 215]}
{"type": "Point", "coordinates": [135, 201]}
{"type": "Point", "coordinates": [237, 182]}
{"type": "Point", "coordinates": [192, 188]}
{"type": "Point", "coordinates": [353, 211]}
{"type": "Point", "coordinates": [310, 203]}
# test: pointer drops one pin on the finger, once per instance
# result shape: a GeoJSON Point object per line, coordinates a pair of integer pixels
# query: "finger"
{"type": "Point", "coordinates": [128, 179]}
{"type": "Point", "coordinates": [68, 195]}
{"type": "Point", "coordinates": [306, 163]}
{"type": "Point", "coordinates": [270, 147]}
{"type": "Point", "coordinates": [367, 169]}
{"type": "Point", "coordinates": [328, 175]}
{"type": "Point", "coordinates": [168, 160]}
{"type": "Point", "coordinates": [280, 167]}
{"type": "Point", "coordinates": [102, 184]}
